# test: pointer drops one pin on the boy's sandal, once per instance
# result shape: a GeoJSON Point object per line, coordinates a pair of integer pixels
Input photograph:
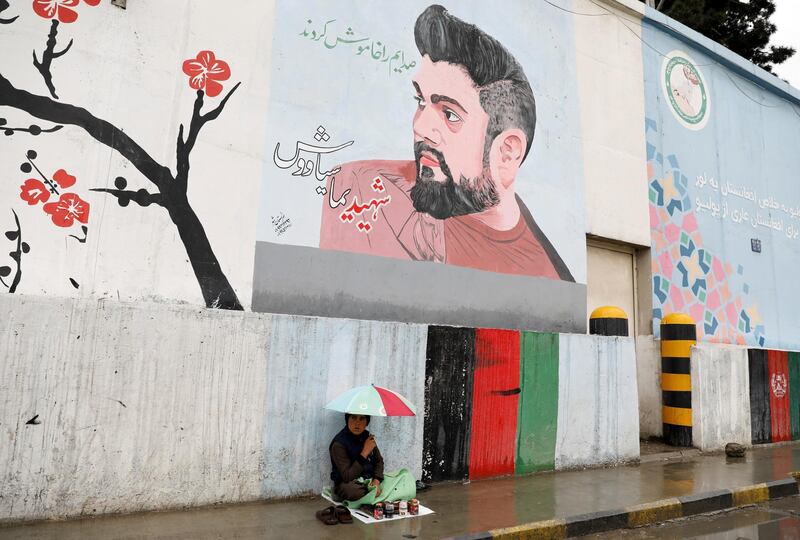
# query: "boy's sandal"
{"type": "Point", "coordinates": [327, 516]}
{"type": "Point", "coordinates": [343, 515]}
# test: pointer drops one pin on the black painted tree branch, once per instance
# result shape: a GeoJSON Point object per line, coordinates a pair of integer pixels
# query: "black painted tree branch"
{"type": "Point", "coordinates": [33, 129]}
{"type": "Point", "coordinates": [85, 231]}
{"type": "Point", "coordinates": [183, 215]}
{"type": "Point", "coordinates": [16, 255]}
{"type": "Point", "coordinates": [198, 121]}
{"type": "Point", "coordinates": [142, 197]}
{"type": "Point", "coordinates": [214, 285]}
{"type": "Point", "coordinates": [102, 131]}
{"type": "Point", "coordinates": [4, 6]}
{"type": "Point", "coordinates": [48, 56]}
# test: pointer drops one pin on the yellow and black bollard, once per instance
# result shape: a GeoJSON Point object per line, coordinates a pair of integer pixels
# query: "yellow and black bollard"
{"type": "Point", "coordinates": [608, 321]}
{"type": "Point", "coordinates": [678, 334]}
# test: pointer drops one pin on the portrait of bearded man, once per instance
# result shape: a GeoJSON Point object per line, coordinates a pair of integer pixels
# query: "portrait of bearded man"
{"type": "Point", "coordinates": [455, 202]}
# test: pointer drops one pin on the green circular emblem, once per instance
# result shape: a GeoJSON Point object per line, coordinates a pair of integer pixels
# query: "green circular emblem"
{"type": "Point", "coordinates": [685, 90]}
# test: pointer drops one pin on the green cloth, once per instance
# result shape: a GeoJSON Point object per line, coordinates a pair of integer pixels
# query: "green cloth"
{"type": "Point", "coordinates": [396, 486]}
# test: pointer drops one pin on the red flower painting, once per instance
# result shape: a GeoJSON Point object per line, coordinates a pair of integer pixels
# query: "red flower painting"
{"type": "Point", "coordinates": [64, 179]}
{"type": "Point", "coordinates": [92, 2]}
{"type": "Point", "coordinates": [62, 9]}
{"type": "Point", "coordinates": [69, 208]}
{"type": "Point", "coordinates": [34, 191]}
{"type": "Point", "coordinates": [205, 72]}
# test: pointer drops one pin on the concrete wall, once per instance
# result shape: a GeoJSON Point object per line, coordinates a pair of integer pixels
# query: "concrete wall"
{"type": "Point", "coordinates": [391, 290]}
{"type": "Point", "coordinates": [608, 49]}
{"type": "Point", "coordinates": [720, 396]}
{"type": "Point", "coordinates": [310, 361]}
{"type": "Point", "coordinates": [648, 383]}
{"type": "Point", "coordinates": [120, 407]}
{"type": "Point", "coordinates": [417, 268]}
{"type": "Point", "coordinates": [252, 225]}
{"type": "Point", "coordinates": [125, 67]}
{"type": "Point", "coordinates": [144, 407]}
{"type": "Point", "coordinates": [159, 402]}
{"type": "Point", "coordinates": [597, 397]}
{"type": "Point", "coordinates": [774, 392]}
{"type": "Point", "coordinates": [724, 205]}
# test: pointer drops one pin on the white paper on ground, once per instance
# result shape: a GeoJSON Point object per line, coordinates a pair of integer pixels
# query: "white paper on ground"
{"type": "Point", "coordinates": [364, 517]}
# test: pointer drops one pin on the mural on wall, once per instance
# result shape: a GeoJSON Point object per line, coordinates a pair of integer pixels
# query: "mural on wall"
{"type": "Point", "coordinates": [68, 210]}
{"type": "Point", "coordinates": [15, 236]}
{"type": "Point", "coordinates": [58, 11]}
{"type": "Point", "coordinates": [207, 75]}
{"type": "Point", "coordinates": [774, 386]}
{"type": "Point", "coordinates": [376, 50]}
{"type": "Point", "coordinates": [505, 402]}
{"type": "Point", "coordinates": [435, 148]}
{"type": "Point", "coordinates": [455, 201]}
{"type": "Point", "coordinates": [724, 212]}
{"type": "Point", "coordinates": [4, 5]}
{"type": "Point", "coordinates": [687, 276]}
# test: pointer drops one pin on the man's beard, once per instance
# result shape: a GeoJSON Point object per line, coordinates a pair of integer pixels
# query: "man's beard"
{"type": "Point", "coordinates": [448, 199]}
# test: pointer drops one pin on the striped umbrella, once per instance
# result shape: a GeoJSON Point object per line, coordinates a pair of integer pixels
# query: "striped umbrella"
{"type": "Point", "coordinates": [372, 400]}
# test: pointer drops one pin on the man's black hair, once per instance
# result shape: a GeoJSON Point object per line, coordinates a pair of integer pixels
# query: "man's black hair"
{"type": "Point", "coordinates": [504, 91]}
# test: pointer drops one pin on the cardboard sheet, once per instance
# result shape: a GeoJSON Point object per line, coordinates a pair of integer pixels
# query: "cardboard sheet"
{"type": "Point", "coordinates": [365, 517]}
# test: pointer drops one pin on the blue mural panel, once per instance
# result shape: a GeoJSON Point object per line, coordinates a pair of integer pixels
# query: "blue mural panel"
{"type": "Point", "coordinates": [724, 201]}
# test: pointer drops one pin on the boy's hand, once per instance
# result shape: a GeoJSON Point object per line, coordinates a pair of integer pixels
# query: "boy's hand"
{"type": "Point", "coordinates": [377, 483]}
{"type": "Point", "coordinates": [369, 446]}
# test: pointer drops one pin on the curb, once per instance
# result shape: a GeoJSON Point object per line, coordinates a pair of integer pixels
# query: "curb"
{"type": "Point", "coordinates": [644, 514]}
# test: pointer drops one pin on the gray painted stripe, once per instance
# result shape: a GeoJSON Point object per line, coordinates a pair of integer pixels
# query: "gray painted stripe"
{"type": "Point", "coordinates": [309, 281]}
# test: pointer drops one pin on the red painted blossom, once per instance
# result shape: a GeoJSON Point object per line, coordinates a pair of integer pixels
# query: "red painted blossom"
{"type": "Point", "coordinates": [62, 9]}
{"type": "Point", "coordinates": [205, 71]}
{"type": "Point", "coordinates": [92, 2]}
{"type": "Point", "coordinates": [33, 191]}
{"type": "Point", "coordinates": [64, 179]}
{"type": "Point", "coordinates": [69, 208]}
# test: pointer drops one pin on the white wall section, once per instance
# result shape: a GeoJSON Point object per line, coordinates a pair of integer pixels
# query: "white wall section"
{"type": "Point", "coordinates": [610, 71]}
{"type": "Point", "coordinates": [311, 361]}
{"type": "Point", "coordinates": [720, 396]}
{"type": "Point", "coordinates": [144, 407]}
{"type": "Point", "coordinates": [598, 421]}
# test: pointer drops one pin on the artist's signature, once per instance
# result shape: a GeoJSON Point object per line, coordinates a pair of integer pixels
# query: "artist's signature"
{"type": "Point", "coordinates": [280, 223]}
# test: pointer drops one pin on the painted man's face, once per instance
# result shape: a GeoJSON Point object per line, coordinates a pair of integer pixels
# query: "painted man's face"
{"type": "Point", "coordinates": [449, 140]}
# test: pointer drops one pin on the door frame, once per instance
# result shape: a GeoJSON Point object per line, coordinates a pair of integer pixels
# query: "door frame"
{"type": "Point", "coordinates": [628, 249]}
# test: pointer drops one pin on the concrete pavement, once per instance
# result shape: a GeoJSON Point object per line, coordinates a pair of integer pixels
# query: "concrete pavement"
{"type": "Point", "coordinates": [461, 508]}
{"type": "Point", "coordinates": [774, 520]}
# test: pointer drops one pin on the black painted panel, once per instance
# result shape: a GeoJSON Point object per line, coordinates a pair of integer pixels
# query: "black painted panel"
{"type": "Point", "coordinates": [678, 331]}
{"type": "Point", "coordinates": [760, 421]}
{"type": "Point", "coordinates": [677, 435]}
{"type": "Point", "coordinates": [681, 400]}
{"type": "Point", "coordinates": [449, 367]}
{"type": "Point", "coordinates": [681, 366]}
{"type": "Point", "coordinates": [608, 326]}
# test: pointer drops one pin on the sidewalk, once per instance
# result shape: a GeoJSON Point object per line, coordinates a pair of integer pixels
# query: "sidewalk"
{"type": "Point", "coordinates": [460, 508]}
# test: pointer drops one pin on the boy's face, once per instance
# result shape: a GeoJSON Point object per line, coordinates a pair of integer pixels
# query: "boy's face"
{"type": "Point", "coordinates": [356, 423]}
